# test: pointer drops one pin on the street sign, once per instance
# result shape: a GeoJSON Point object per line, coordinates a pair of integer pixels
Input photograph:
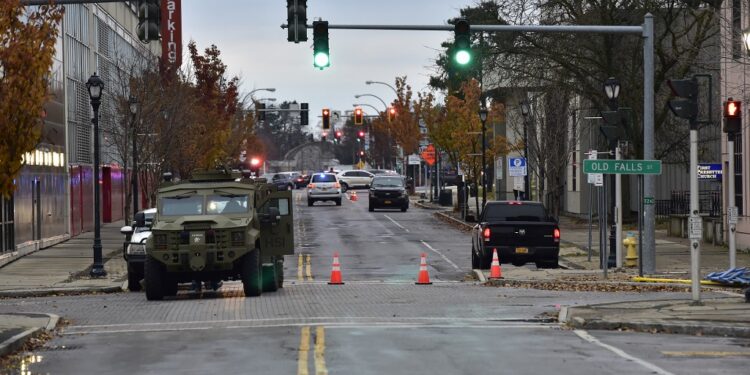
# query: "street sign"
{"type": "Point", "coordinates": [516, 167]}
{"type": "Point", "coordinates": [696, 227]}
{"type": "Point", "coordinates": [429, 155]}
{"type": "Point", "coordinates": [518, 183]}
{"type": "Point", "coordinates": [649, 201]}
{"type": "Point", "coordinates": [610, 166]}
{"type": "Point", "coordinates": [414, 159]}
{"type": "Point", "coordinates": [595, 178]}
{"type": "Point", "coordinates": [708, 171]}
{"type": "Point", "coordinates": [499, 167]}
{"type": "Point", "coordinates": [732, 212]}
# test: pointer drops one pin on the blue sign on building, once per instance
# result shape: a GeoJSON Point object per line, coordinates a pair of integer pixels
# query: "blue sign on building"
{"type": "Point", "coordinates": [709, 171]}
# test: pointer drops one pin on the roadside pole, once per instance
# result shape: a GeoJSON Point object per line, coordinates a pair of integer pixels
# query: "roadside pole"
{"type": "Point", "coordinates": [618, 212]}
{"type": "Point", "coordinates": [732, 210]}
{"type": "Point", "coordinates": [696, 225]}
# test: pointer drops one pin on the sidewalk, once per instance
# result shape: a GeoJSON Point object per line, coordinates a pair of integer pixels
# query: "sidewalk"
{"type": "Point", "coordinates": [63, 268]}
{"type": "Point", "coordinates": [728, 316]}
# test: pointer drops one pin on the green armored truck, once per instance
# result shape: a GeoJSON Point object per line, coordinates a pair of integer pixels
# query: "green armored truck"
{"type": "Point", "coordinates": [219, 226]}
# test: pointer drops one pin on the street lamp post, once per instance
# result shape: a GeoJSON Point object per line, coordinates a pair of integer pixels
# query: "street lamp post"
{"type": "Point", "coordinates": [382, 83]}
{"type": "Point", "coordinates": [483, 117]}
{"type": "Point", "coordinates": [612, 90]}
{"type": "Point", "coordinates": [95, 86]}
{"type": "Point", "coordinates": [525, 112]}
{"type": "Point", "coordinates": [133, 102]}
{"type": "Point", "coordinates": [374, 96]}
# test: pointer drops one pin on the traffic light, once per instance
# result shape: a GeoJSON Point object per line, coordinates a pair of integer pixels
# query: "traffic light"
{"type": "Point", "coordinates": [304, 110]}
{"type": "Point", "coordinates": [296, 20]}
{"type": "Point", "coordinates": [686, 106]}
{"type": "Point", "coordinates": [337, 135]}
{"type": "Point", "coordinates": [324, 136]}
{"type": "Point", "coordinates": [149, 20]}
{"type": "Point", "coordinates": [326, 118]}
{"type": "Point", "coordinates": [361, 154]}
{"type": "Point", "coordinates": [391, 114]}
{"type": "Point", "coordinates": [462, 45]}
{"type": "Point", "coordinates": [361, 135]}
{"type": "Point", "coordinates": [732, 116]}
{"type": "Point", "coordinates": [261, 109]}
{"type": "Point", "coordinates": [255, 164]}
{"type": "Point", "coordinates": [358, 116]}
{"type": "Point", "coordinates": [321, 57]}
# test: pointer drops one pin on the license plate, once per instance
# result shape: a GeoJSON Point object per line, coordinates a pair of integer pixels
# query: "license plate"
{"type": "Point", "coordinates": [387, 202]}
{"type": "Point", "coordinates": [324, 189]}
{"type": "Point", "coordinates": [522, 250]}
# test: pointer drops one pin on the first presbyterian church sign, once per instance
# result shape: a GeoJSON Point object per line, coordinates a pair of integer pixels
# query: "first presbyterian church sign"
{"type": "Point", "coordinates": [171, 33]}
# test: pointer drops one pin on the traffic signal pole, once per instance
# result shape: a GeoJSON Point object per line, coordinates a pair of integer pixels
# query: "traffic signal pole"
{"type": "Point", "coordinates": [646, 31]}
{"type": "Point", "coordinates": [695, 219]}
{"type": "Point", "coordinates": [731, 214]}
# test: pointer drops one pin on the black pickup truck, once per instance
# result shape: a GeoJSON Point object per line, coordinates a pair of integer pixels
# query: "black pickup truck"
{"type": "Point", "coordinates": [521, 231]}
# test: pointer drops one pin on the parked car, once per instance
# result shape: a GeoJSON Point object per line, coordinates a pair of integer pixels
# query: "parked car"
{"type": "Point", "coordinates": [324, 187]}
{"type": "Point", "coordinates": [136, 235]}
{"type": "Point", "coordinates": [521, 231]}
{"type": "Point", "coordinates": [284, 180]}
{"type": "Point", "coordinates": [388, 191]}
{"type": "Point", "coordinates": [301, 181]}
{"type": "Point", "coordinates": [355, 178]}
{"type": "Point", "coordinates": [382, 171]}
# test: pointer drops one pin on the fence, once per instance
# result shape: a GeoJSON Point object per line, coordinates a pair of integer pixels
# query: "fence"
{"type": "Point", "coordinates": [709, 202]}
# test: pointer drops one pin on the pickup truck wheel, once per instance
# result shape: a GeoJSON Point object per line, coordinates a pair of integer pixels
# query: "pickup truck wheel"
{"type": "Point", "coordinates": [251, 274]}
{"type": "Point", "coordinates": [485, 260]}
{"type": "Point", "coordinates": [474, 260]}
{"type": "Point", "coordinates": [153, 272]}
{"type": "Point", "coordinates": [134, 279]}
{"type": "Point", "coordinates": [270, 278]}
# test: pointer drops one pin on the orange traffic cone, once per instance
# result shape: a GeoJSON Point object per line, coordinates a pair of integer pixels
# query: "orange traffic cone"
{"type": "Point", "coordinates": [353, 197]}
{"type": "Point", "coordinates": [336, 271]}
{"type": "Point", "coordinates": [495, 271]}
{"type": "Point", "coordinates": [423, 278]}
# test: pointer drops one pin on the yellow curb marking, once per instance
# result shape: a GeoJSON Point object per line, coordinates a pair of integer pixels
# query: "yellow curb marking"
{"type": "Point", "coordinates": [304, 347]}
{"type": "Point", "coordinates": [299, 268]}
{"type": "Point", "coordinates": [308, 269]}
{"type": "Point", "coordinates": [319, 353]}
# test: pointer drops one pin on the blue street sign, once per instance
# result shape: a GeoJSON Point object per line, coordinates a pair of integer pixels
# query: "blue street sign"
{"type": "Point", "coordinates": [709, 171]}
{"type": "Point", "coordinates": [517, 167]}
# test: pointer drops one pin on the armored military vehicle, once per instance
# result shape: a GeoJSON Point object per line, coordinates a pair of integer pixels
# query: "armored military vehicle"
{"type": "Point", "coordinates": [219, 226]}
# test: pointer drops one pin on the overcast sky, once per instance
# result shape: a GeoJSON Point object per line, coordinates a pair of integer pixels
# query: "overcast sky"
{"type": "Point", "coordinates": [254, 47]}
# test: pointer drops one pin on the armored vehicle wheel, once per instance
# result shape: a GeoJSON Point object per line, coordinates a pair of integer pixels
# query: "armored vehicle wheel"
{"type": "Point", "coordinates": [134, 279]}
{"type": "Point", "coordinates": [280, 272]}
{"type": "Point", "coordinates": [170, 287]}
{"type": "Point", "coordinates": [154, 275]}
{"type": "Point", "coordinates": [251, 274]}
{"type": "Point", "coordinates": [270, 278]}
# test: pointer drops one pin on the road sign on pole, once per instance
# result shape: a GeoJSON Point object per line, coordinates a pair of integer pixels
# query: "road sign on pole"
{"type": "Point", "coordinates": [609, 166]}
{"type": "Point", "coordinates": [429, 155]}
{"type": "Point", "coordinates": [516, 167]}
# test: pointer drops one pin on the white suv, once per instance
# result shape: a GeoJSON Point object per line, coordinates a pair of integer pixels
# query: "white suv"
{"type": "Point", "coordinates": [355, 178]}
{"type": "Point", "coordinates": [324, 187]}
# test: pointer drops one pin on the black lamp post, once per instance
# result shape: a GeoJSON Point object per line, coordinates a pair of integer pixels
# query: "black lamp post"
{"type": "Point", "coordinates": [133, 102]}
{"type": "Point", "coordinates": [483, 175]}
{"type": "Point", "coordinates": [525, 112]}
{"type": "Point", "coordinates": [96, 86]}
{"type": "Point", "coordinates": [612, 90]}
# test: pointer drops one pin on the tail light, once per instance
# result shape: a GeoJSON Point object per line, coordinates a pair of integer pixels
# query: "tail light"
{"type": "Point", "coordinates": [311, 186]}
{"type": "Point", "coordinates": [556, 234]}
{"type": "Point", "coordinates": [486, 234]}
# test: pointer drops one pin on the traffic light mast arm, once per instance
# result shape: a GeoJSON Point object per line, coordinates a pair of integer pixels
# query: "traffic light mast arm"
{"type": "Point", "coordinates": [66, 2]}
{"type": "Point", "coordinates": [497, 28]}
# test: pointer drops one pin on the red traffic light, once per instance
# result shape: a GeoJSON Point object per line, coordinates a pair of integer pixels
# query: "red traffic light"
{"type": "Point", "coordinates": [326, 118]}
{"type": "Point", "coordinates": [391, 113]}
{"type": "Point", "coordinates": [255, 162]}
{"type": "Point", "coordinates": [733, 108]}
{"type": "Point", "coordinates": [358, 116]}
{"type": "Point", "coordinates": [338, 134]}
{"type": "Point", "coordinates": [361, 134]}
{"type": "Point", "coordinates": [361, 153]}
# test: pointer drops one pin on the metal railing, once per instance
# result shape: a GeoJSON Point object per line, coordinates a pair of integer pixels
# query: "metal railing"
{"type": "Point", "coordinates": [709, 203]}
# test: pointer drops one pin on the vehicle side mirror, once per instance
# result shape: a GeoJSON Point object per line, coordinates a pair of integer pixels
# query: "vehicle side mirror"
{"type": "Point", "coordinates": [140, 219]}
{"type": "Point", "coordinates": [471, 218]}
{"type": "Point", "coordinates": [126, 230]}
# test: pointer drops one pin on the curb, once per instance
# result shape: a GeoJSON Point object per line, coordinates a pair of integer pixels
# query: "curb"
{"type": "Point", "coordinates": [16, 342]}
{"type": "Point", "coordinates": [684, 327]}
{"type": "Point", "coordinates": [451, 218]}
{"type": "Point", "coordinates": [426, 207]}
{"type": "Point", "coordinates": [56, 291]}
{"type": "Point", "coordinates": [502, 282]}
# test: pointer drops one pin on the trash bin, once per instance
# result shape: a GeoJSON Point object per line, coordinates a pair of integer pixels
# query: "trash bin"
{"type": "Point", "coordinates": [446, 198]}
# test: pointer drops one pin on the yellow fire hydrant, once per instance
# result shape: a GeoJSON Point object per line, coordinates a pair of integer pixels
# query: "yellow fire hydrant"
{"type": "Point", "coordinates": [631, 258]}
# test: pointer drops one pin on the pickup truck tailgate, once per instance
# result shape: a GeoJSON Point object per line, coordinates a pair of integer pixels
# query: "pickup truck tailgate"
{"type": "Point", "coordinates": [522, 233]}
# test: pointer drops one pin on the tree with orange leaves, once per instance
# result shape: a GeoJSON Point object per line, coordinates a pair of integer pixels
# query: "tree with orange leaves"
{"type": "Point", "coordinates": [27, 46]}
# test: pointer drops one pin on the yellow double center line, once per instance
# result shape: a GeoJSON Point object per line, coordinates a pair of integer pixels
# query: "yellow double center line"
{"type": "Point", "coordinates": [319, 355]}
{"type": "Point", "coordinates": [304, 267]}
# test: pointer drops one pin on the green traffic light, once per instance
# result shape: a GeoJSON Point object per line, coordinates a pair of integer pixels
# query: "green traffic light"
{"type": "Point", "coordinates": [321, 60]}
{"type": "Point", "coordinates": [462, 57]}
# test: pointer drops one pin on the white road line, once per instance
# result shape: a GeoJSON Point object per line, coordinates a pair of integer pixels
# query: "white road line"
{"type": "Point", "coordinates": [586, 336]}
{"type": "Point", "coordinates": [397, 224]}
{"type": "Point", "coordinates": [441, 255]}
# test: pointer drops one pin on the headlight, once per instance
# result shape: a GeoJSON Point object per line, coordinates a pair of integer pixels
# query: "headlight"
{"type": "Point", "coordinates": [238, 238]}
{"type": "Point", "coordinates": [136, 249]}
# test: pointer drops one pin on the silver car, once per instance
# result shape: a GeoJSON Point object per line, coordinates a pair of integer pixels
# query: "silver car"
{"type": "Point", "coordinates": [324, 187]}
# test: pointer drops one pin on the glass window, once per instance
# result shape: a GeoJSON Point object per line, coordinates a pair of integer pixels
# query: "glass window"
{"type": "Point", "coordinates": [382, 182]}
{"type": "Point", "coordinates": [181, 205]}
{"type": "Point", "coordinates": [324, 177]}
{"type": "Point", "coordinates": [283, 206]}
{"type": "Point", "coordinates": [515, 212]}
{"type": "Point", "coordinates": [226, 204]}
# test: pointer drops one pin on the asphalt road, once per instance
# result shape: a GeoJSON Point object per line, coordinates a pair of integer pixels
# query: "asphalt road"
{"type": "Point", "coordinates": [379, 322]}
